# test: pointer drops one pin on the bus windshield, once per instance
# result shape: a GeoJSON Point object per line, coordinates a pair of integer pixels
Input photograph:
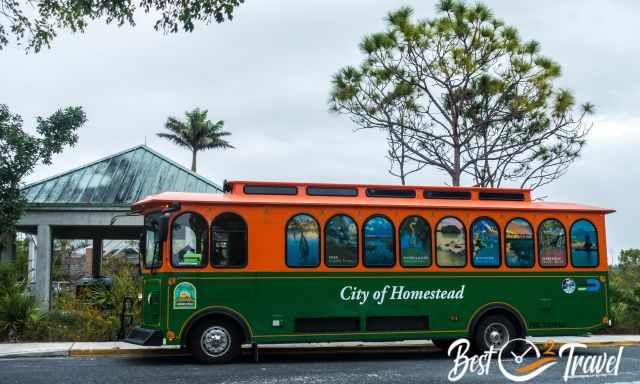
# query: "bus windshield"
{"type": "Point", "coordinates": [152, 258]}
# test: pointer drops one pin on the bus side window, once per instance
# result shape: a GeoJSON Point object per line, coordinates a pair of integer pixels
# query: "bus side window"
{"type": "Point", "coordinates": [584, 244]}
{"type": "Point", "coordinates": [341, 242]}
{"type": "Point", "coordinates": [518, 244]}
{"type": "Point", "coordinates": [451, 243]}
{"type": "Point", "coordinates": [378, 242]}
{"type": "Point", "coordinates": [485, 243]}
{"type": "Point", "coordinates": [229, 241]}
{"type": "Point", "coordinates": [552, 244]}
{"type": "Point", "coordinates": [415, 242]}
{"type": "Point", "coordinates": [302, 248]}
{"type": "Point", "coordinates": [189, 240]}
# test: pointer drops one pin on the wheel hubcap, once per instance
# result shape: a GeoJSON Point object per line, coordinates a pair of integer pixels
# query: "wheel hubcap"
{"type": "Point", "coordinates": [496, 335]}
{"type": "Point", "coordinates": [215, 341]}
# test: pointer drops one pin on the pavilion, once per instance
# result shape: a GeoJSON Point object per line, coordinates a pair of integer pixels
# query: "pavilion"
{"type": "Point", "coordinates": [93, 202]}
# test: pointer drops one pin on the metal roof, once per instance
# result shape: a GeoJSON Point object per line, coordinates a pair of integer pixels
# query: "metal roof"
{"type": "Point", "coordinates": [117, 180]}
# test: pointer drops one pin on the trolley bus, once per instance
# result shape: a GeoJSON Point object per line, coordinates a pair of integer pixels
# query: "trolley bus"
{"type": "Point", "coordinates": [268, 262]}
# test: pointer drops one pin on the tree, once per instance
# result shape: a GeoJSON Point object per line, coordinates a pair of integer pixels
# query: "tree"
{"type": "Point", "coordinates": [36, 23]}
{"type": "Point", "coordinates": [399, 156]}
{"type": "Point", "coordinates": [20, 152]}
{"type": "Point", "coordinates": [625, 290]}
{"type": "Point", "coordinates": [196, 133]}
{"type": "Point", "coordinates": [464, 94]}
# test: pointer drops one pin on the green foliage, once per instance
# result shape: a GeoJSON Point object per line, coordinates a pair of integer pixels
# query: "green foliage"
{"type": "Point", "coordinates": [196, 133]}
{"type": "Point", "coordinates": [36, 24]}
{"type": "Point", "coordinates": [18, 310]}
{"type": "Point", "coordinates": [71, 318]}
{"type": "Point", "coordinates": [20, 152]}
{"type": "Point", "coordinates": [463, 93]}
{"type": "Point", "coordinates": [625, 291]}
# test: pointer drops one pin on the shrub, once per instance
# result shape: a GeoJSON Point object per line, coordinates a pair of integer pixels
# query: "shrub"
{"type": "Point", "coordinates": [625, 291]}
{"type": "Point", "coordinates": [95, 317]}
{"type": "Point", "coordinates": [18, 310]}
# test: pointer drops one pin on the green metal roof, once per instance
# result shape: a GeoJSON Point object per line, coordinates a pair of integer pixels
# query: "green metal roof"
{"type": "Point", "coordinates": [117, 180]}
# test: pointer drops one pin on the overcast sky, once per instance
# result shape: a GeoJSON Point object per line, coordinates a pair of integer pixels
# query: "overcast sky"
{"type": "Point", "coordinates": [267, 74]}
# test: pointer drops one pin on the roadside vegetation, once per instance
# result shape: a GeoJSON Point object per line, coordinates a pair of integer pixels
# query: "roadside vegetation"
{"type": "Point", "coordinates": [624, 280]}
{"type": "Point", "coordinates": [91, 315]}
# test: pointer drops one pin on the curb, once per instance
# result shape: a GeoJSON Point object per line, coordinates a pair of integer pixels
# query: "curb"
{"type": "Point", "coordinates": [126, 352]}
{"type": "Point", "coordinates": [62, 353]}
{"type": "Point", "coordinates": [268, 350]}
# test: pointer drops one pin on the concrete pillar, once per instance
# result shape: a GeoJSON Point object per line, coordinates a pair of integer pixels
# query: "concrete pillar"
{"type": "Point", "coordinates": [8, 246]}
{"type": "Point", "coordinates": [43, 267]}
{"type": "Point", "coordinates": [31, 265]}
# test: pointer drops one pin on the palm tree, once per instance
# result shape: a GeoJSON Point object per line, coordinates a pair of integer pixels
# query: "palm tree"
{"type": "Point", "coordinates": [196, 133]}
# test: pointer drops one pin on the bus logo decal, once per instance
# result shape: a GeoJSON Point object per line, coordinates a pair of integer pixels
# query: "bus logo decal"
{"type": "Point", "coordinates": [568, 286]}
{"type": "Point", "coordinates": [593, 285]}
{"type": "Point", "coordinates": [185, 296]}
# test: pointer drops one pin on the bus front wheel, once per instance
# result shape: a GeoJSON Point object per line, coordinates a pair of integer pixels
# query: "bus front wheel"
{"type": "Point", "coordinates": [215, 341]}
{"type": "Point", "coordinates": [494, 331]}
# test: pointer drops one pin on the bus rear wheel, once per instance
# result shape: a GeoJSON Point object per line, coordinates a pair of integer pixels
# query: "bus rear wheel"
{"type": "Point", "coordinates": [494, 331]}
{"type": "Point", "coordinates": [215, 341]}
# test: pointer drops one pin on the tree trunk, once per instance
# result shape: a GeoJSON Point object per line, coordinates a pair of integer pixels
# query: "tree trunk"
{"type": "Point", "coordinates": [455, 176]}
{"type": "Point", "coordinates": [193, 160]}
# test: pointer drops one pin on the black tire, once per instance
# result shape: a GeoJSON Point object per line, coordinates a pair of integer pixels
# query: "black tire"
{"type": "Point", "coordinates": [496, 330]}
{"type": "Point", "coordinates": [223, 343]}
{"type": "Point", "coordinates": [443, 344]}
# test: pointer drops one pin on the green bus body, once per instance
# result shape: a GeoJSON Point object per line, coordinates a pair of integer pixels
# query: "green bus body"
{"type": "Point", "coordinates": [267, 305]}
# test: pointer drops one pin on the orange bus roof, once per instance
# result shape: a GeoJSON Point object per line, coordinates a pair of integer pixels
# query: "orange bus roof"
{"type": "Point", "coordinates": [235, 195]}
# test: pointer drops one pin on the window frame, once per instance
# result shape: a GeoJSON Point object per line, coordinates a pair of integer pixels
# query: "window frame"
{"type": "Point", "coordinates": [208, 242]}
{"type": "Point", "coordinates": [143, 244]}
{"type": "Point", "coordinates": [566, 254]}
{"type": "Point", "coordinates": [393, 232]}
{"type": "Point", "coordinates": [212, 242]}
{"type": "Point", "coordinates": [464, 231]}
{"type": "Point", "coordinates": [597, 244]}
{"type": "Point", "coordinates": [431, 243]}
{"type": "Point", "coordinates": [324, 242]}
{"type": "Point", "coordinates": [535, 244]}
{"type": "Point", "coordinates": [470, 243]}
{"type": "Point", "coordinates": [286, 249]}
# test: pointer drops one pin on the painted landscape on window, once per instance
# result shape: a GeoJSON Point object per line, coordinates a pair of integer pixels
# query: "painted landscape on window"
{"type": "Point", "coordinates": [303, 241]}
{"type": "Point", "coordinates": [553, 244]}
{"type": "Point", "coordinates": [518, 242]}
{"type": "Point", "coordinates": [451, 249]}
{"type": "Point", "coordinates": [378, 241]}
{"type": "Point", "coordinates": [485, 240]}
{"type": "Point", "coordinates": [584, 244]}
{"type": "Point", "coordinates": [415, 242]}
{"type": "Point", "coordinates": [341, 247]}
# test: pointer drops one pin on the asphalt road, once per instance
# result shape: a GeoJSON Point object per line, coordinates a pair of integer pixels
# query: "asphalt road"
{"type": "Point", "coordinates": [383, 367]}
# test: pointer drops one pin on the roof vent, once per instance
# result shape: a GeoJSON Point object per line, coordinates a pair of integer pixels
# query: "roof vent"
{"type": "Point", "coordinates": [441, 194]}
{"type": "Point", "coordinates": [506, 196]}
{"type": "Point", "coordinates": [381, 192]}
{"type": "Point", "coordinates": [270, 189]}
{"type": "Point", "coordinates": [332, 191]}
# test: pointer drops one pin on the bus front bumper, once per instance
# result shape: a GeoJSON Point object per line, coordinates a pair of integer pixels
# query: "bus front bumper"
{"type": "Point", "coordinates": [145, 336]}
